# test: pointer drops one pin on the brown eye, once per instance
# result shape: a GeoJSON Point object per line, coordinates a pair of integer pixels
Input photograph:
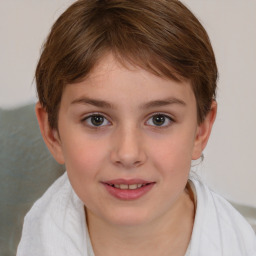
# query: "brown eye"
{"type": "Point", "coordinates": [160, 120]}
{"type": "Point", "coordinates": [96, 120]}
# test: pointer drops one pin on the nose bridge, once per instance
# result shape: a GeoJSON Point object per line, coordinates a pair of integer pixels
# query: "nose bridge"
{"type": "Point", "coordinates": [128, 150]}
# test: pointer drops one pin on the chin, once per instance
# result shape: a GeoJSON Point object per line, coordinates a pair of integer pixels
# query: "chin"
{"type": "Point", "coordinates": [128, 217]}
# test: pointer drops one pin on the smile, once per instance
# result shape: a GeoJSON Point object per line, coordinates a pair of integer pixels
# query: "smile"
{"type": "Point", "coordinates": [126, 186]}
{"type": "Point", "coordinates": [128, 189]}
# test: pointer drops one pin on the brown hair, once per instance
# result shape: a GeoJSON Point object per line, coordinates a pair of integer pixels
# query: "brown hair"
{"type": "Point", "coordinates": [160, 36]}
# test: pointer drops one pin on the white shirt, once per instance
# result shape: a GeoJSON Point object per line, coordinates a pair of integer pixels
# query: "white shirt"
{"type": "Point", "coordinates": [219, 230]}
{"type": "Point", "coordinates": [56, 226]}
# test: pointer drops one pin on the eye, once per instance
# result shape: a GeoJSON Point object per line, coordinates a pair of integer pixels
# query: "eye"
{"type": "Point", "coordinates": [160, 120]}
{"type": "Point", "coordinates": [96, 120]}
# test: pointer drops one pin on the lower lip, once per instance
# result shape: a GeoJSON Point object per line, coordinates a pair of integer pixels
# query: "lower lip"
{"type": "Point", "coordinates": [129, 194]}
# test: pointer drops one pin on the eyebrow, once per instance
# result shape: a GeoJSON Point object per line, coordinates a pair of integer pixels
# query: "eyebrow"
{"type": "Point", "coordinates": [151, 104]}
{"type": "Point", "coordinates": [164, 102]}
{"type": "Point", "coordinates": [94, 102]}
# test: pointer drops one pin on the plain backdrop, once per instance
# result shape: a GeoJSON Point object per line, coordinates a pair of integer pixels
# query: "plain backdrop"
{"type": "Point", "coordinates": [230, 158]}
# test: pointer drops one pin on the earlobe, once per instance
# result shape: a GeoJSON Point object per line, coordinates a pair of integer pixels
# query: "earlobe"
{"type": "Point", "coordinates": [203, 131]}
{"type": "Point", "coordinates": [50, 136]}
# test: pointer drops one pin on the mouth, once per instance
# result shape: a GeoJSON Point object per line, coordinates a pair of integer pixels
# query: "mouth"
{"type": "Point", "coordinates": [128, 189]}
{"type": "Point", "coordinates": [128, 186]}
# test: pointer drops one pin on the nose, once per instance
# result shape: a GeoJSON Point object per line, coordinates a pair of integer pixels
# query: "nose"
{"type": "Point", "coordinates": [128, 150]}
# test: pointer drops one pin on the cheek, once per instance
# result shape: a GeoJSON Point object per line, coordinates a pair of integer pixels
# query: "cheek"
{"type": "Point", "coordinates": [172, 158]}
{"type": "Point", "coordinates": [173, 155]}
{"type": "Point", "coordinates": [84, 156]}
{"type": "Point", "coordinates": [84, 161]}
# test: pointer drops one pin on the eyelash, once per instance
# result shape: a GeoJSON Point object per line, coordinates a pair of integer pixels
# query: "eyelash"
{"type": "Point", "coordinates": [166, 117]}
{"type": "Point", "coordinates": [85, 119]}
{"type": "Point", "coordinates": [89, 117]}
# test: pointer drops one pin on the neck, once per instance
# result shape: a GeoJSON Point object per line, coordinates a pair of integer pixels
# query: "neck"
{"type": "Point", "coordinates": [168, 235]}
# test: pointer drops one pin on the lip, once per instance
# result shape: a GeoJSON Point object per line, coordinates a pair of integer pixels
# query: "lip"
{"type": "Point", "coordinates": [128, 194]}
{"type": "Point", "coordinates": [127, 181]}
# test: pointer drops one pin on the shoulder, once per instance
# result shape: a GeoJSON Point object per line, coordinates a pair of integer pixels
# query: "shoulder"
{"type": "Point", "coordinates": [54, 221]}
{"type": "Point", "coordinates": [56, 195]}
{"type": "Point", "coordinates": [219, 225]}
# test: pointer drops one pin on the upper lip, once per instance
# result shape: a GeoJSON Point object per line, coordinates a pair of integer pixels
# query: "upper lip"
{"type": "Point", "coordinates": [127, 181]}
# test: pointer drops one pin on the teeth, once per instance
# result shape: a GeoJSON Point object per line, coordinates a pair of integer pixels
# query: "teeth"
{"type": "Point", "coordinates": [126, 186]}
{"type": "Point", "coordinates": [133, 186]}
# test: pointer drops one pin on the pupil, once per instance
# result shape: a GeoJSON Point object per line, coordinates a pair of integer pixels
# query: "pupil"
{"type": "Point", "coordinates": [158, 120]}
{"type": "Point", "coordinates": [97, 120]}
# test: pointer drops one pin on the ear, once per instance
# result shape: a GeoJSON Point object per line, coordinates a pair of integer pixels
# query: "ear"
{"type": "Point", "coordinates": [203, 132]}
{"type": "Point", "coordinates": [50, 136]}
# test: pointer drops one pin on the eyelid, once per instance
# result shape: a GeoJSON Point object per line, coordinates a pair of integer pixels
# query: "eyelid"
{"type": "Point", "coordinates": [161, 113]}
{"type": "Point", "coordinates": [95, 114]}
{"type": "Point", "coordinates": [168, 116]}
{"type": "Point", "coordinates": [87, 116]}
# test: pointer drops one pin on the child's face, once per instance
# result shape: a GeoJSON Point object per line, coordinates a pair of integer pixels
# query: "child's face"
{"type": "Point", "coordinates": [123, 126]}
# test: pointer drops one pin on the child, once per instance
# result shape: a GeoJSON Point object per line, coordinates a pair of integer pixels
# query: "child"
{"type": "Point", "coordinates": [126, 100]}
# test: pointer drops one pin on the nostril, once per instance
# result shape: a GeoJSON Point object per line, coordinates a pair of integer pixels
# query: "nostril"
{"type": "Point", "coordinates": [131, 164]}
{"type": "Point", "coordinates": [128, 157]}
{"type": "Point", "coordinates": [137, 163]}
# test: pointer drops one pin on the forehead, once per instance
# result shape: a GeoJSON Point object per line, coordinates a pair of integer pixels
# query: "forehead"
{"type": "Point", "coordinates": [112, 80]}
{"type": "Point", "coordinates": [110, 61]}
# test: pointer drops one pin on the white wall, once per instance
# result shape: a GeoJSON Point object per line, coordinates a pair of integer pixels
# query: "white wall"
{"type": "Point", "coordinates": [229, 166]}
{"type": "Point", "coordinates": [24, 25]}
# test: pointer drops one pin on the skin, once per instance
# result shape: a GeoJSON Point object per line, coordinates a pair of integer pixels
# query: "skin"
{"type": "Point", "coordinates": [128, 144]}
